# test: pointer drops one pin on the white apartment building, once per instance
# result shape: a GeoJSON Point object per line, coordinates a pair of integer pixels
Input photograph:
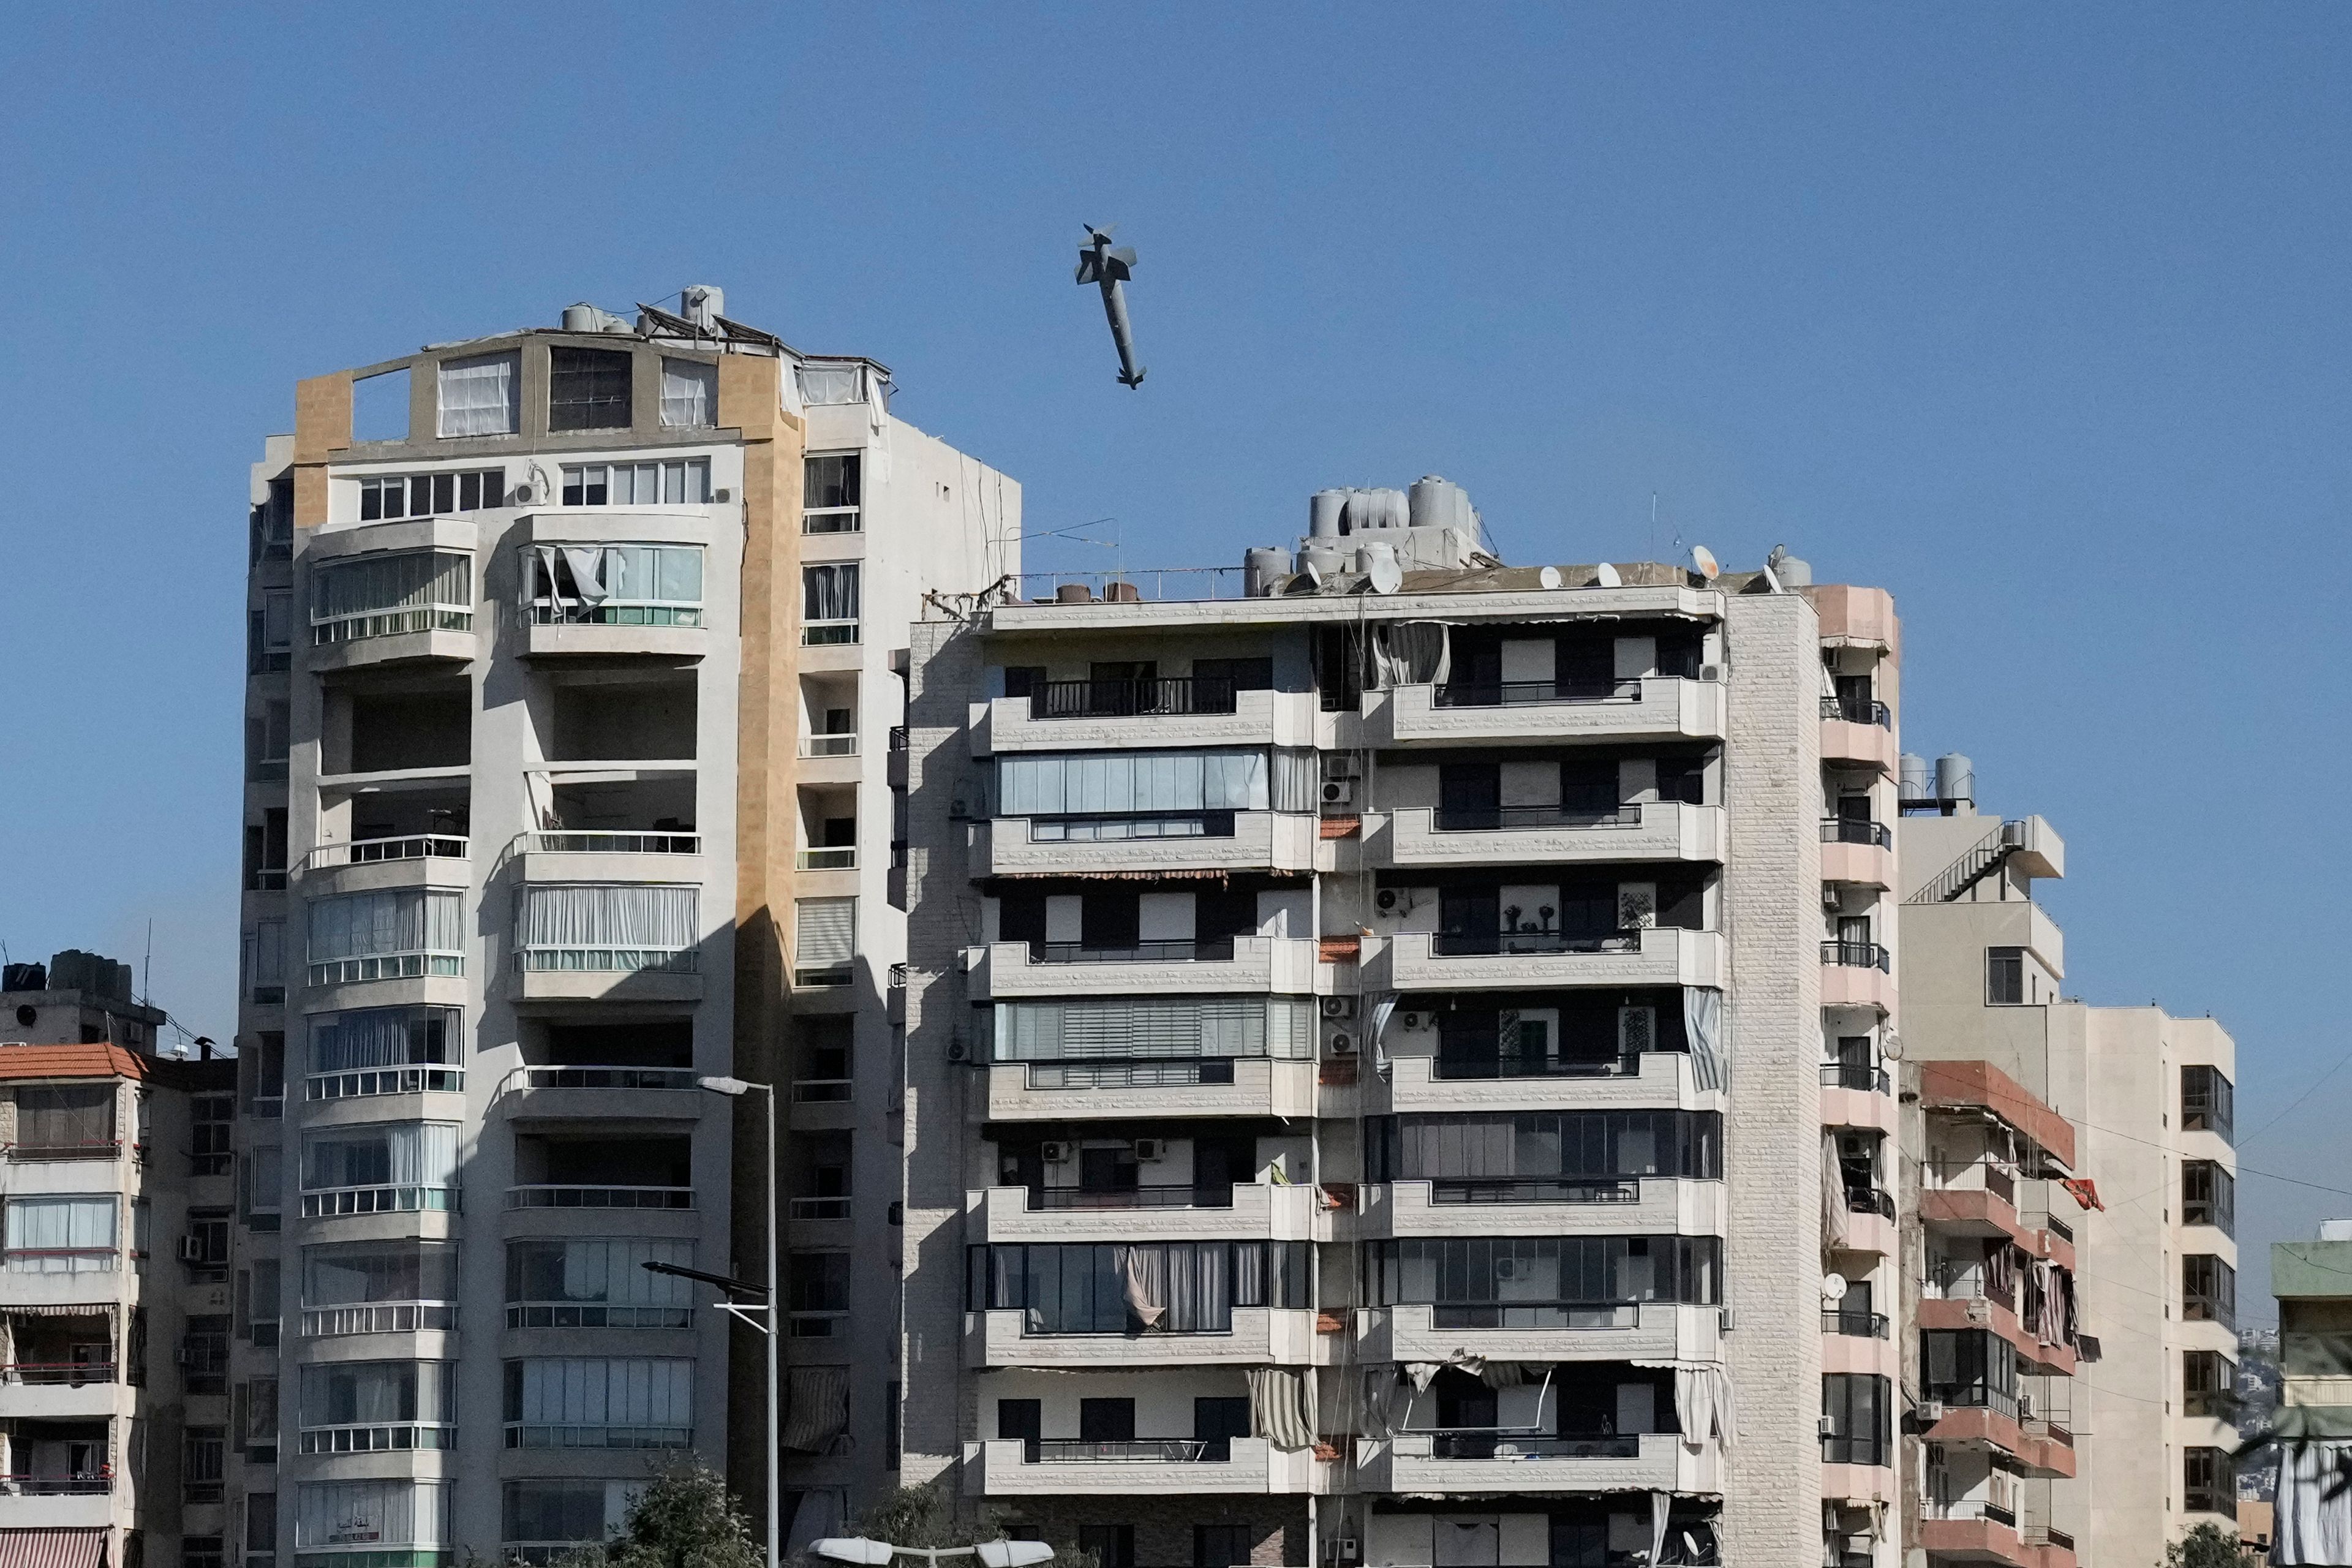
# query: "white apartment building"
{"type": "Point", "coordinates": [1395, 1060]}
{"type": "Point", "coordinates": [2140, 1381]}
{"type": "Point", "coordinates": [574, 653]}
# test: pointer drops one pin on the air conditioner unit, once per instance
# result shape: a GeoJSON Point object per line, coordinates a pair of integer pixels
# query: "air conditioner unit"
{"type": "Point", "coordinates": [1826, 1426]}
{"type": "Point", "coordinates": [959, 1049]}
{"type": "Point", "coordinates": [722, 495]}
{"type": "Point", "coordinates": [1637, 1030]}
{"type": "Point", "coordinates": [1339, 791]}
{"type": "Point", "coordinates": [2025, 1406]}
{"type": "Point", "coordinates": [192, 1249]}
{"type": "Point", "coordinates": [1710, 672]}
{"type": "Point", "coordinates": [1342, 1044]}
{"type": "Point", "coordinates": [1388, 901]}
{"type": "Point", "coordinates": [1339, 1006]}
{"type": "Point", "coordinates": [526, 495]}
{"type": "Point", "coordinates": [1339, 765]}
{"type": "Point", "coordinates": [1414, 1020]}
{"type": "Point", "coordinates": [1506, 1269]}
{"type": "Point", "coordinates": [1979, 1311]}
{"type": "Point", "coordinates": [1055, 1154]}
{"type": "Point", "coordinates": [1830, 897]}
{"type": "Point", "coordinates": [1928, 1411]}
{"type": "Point", "coordinates": [1151, 1148]}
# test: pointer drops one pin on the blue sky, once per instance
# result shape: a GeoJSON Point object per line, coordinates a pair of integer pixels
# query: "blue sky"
{"type": "Point", "coordinates": [2035, 316]}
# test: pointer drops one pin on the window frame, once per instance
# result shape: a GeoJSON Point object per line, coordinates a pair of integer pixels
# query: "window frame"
{"type": "Point", "coordinates": [1995, 959]}
{"type": "Point", "coordinates": [581, 390]}
{"type": "Point", "coordinates": [839, 517]}
{"type": "Point", "coordinates": [2217, 1205]}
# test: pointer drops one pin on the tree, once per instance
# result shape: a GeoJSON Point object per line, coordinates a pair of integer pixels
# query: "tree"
{"type": "Point", "coordinates": [686, 1517]}
{"type": "Point", "coordinates": [925, 1516]}
{"type": "Point", "coordinates": [2211, 1545]}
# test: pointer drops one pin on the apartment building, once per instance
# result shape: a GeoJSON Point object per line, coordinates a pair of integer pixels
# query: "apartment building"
{"type": "Point", "coordinates": [2312, 1513]}
{"type": "Point", "coordinates": [572, 652]}
{"type": "Point", "coordinates": [114, 1294]}
{"type": "Point", "coordinates": [1396, 1059]}
{"type": "Point", "coordinates": [79, 999]}
{"type": "Point", "coordinates": [2145, 1203]}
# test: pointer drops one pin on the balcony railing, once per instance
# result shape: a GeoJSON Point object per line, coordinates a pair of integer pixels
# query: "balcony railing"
{"type": "Point", "coordinates": [360, 1082]}
{"type": "Point", "coordinates": [57, 1486]}
{"type": "Point", "coordinates": [1174, 1196]}
{"type": "Point", "coordinates": [2048, 1535]}
{"type": "Point", "coordinates": [828, 633]}
{"type": "Point", "coordinates": [1857, 955]}
{"type": "Point", "coordinates": [335, 1203]}
{"type": "Point", "coordinates": [898, 737]}
{"type": "Point", "coordinates": [1531, 1314]}
{"type": "Point", "coordinates": [830, 858]}
{"type": "Point", "coordinates": [1968, 1508]}
{"type": "Point", "coordinates": [610, 960]}
{"type": "Point", "coordinates": [828, 745]}
{"type": "Point", "coordinates": [1518, 693]}
{"type": "Point", "coordinates": [95, 1149]}
{"type": "Point", "coordinates": [60, 1259]}
{"type": "Point", "coordinates": [1854, 1325]}
{"type": "Point", "coordinates": [1127, 1450]}
{"type": "Point", "coordinates": [1131, 1075]}
{"type": "Point", "coordinates": [374, 851]}
{"type": "Point", "coordinates": [387, 966]}
{"type": "Point", "coordinates": [1971, 1175]}
{"type": "Point", "coordinates": [1465, 1065]}
{"type": "Point", "coordinates": [1870, 1200]}
{"type": "Point", "coordinates": [1975, 1396]}
{"type": "Point", "coordinates": [595, 1315]}
{"type": "Point", "coordinates": [819, 1209]}
{"type": "Point", "coordinates": [2053, 1224]}
{"type": "Point", "coordinates": [1172, 695]}
{"type": "Point", "coordinates": [327, 631]}
{"type": "Point", "coordinates": [598, 1077]}
{"type": "Point", "coordinates": [566, 842]}
{"type": "Point", "coordinates": [56, 1374]}
{"type": "Point", "coordinates": [1514, 943]}
{"type": "Point", "coordinates": [1863, 710]}
{"type": "Point", "coordinates": [2051, 1431]}
{"type": "Point", "coordinates": [267, 879]}
{"type": "Point", "coordinates": [378, 1438]}
{"type": "Point", "coordinates": [1535, 1190]}
{"type": "Point", "coordinates": [1186, 951]}
{"type": "Point", "coordinates": [534, 1434]}
{"type": "Point", "coordinates": [1857, 1076]}
{"type": "Point", "coordinates": [613, 612]}
{"type": "Point", "coordinates": [1120, 829]}
{"type": "Point", "coordinates": [378, 1317]}
{"type": "Point", "coordinates": [1510, 1446]}
{"type": "Point", "coordinates": [821, 1090]}
{"type": "Point", "coordinates": [1849, 830]}
{"type": "Point", "coordinates": [563, 1195]}
{"type": "Point", "coordinates": [1499, 819]}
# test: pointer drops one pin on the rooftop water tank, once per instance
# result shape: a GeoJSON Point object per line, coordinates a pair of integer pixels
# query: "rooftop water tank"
{"type": "Point", "coordinates": [1956, 778]}
{"type": "Point", "coordinates": [1323, 513]}
{"type": "Point", "coordinates": [1326, 559]}
{"type": "Point", "coordinates": [1917, 781]}
{"type": "Point", "coordinates": [1439, 502]}
{"type": "Point", "coordinates": [1262, 570]}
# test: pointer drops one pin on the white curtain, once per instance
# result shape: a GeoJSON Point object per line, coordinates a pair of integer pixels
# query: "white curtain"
{"type": "Point", "coordinates": [376, 1514]}
{"type": "Point", "coordinates": [479, 397]}
{"type": "Point", "coordinates": [587, 564]}
{"type": "Point", "coordinates": [381, 1037]}
{"type": "Point", "coordinates": [605, 915]}
{"type": "Point", "coordinates": [1154, 1027]}
{"type": "Point", "coordinates": [409, 579]}
{"type": "Point", "coordinates": [1702, 1407]}
{"type": "Point", "coordinates": [825, 933]}
{"type": "Point", "coordinates": [1112, 783]}
{"type": "Point", "coordinates": [424, 1155]}
{"type": "Point", "coordinates": [60, 1225]}
{"type": "Point", "coordinates": [829, 592]}
{"type": "Point", "coordinates": [605, 1391]}
{"type": "Point", "coordinates": [365, 925]}
{"type": "Point", "coordinates": [690, 395]}
{"type": "Point", "coordinates": [1837, 1219]}
{"type": "Point", "coordinates": [1297, 780]}
{"type": "Point", "coordinates": [1413, 653]}
{"type": "Point", "coordinates": [613, 1270]}
{"type": "Point", "coordinates": [2312, 1522]}
{"type": "Point", "coordinates": [817, 1407]}
{"type": "Point", "coordinates": [1282, 1405]}
{"type": "Point", "coordinates": [1703, 1023]}
{"type": "Point", "coordinates": [825, 384]}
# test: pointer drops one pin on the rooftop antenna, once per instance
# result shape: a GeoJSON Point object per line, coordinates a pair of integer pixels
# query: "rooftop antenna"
{"type": "Point", "coordinates": [147, 966]}
{"type": "Point", "coordinates": [1109, 269]}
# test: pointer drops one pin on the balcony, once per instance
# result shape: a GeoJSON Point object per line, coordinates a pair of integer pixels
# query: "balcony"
{"type": "Point", "coordinates": [445, 851]}
{"type": "Point", "coordinates": [1416, 1081]}
{"type": "Point", "coordinates": [343, 1203]}
{"type": "Point", "coordinates": [1242, 965]}
{"type": "Point", "coordinates": [1420, 836]}
{"type": "Point", "coordinates": [1968, 1530]}
{"type": "Point", "coordinates": [1977, 1418]}
{"type": "Point", "coordinates": [1858, 853]}
{"type": "Point", "coordinates": [1147, 1466]}
{"type": "Point", "coordinates": [1545, 1206]}
{"type": "Point", "coordinates": [1282, 1335]}
{"type": "Point", "coordinates": [1228, 841]}
{"type": "Point", "coordinates": [1536, 960]}
{"type": "Point", "coordinates": [1978, 1197]}
{"type": "Point", "coordinates": [1539, 1332]}
{"type": "Point", "coordinates": [568, 1195]}
{"type": "Point", "coordinates": [36, 1390]}
{"type": "Point", "coordinates": [1870, 1225]}
{"type": "Point", "coordinates": [832, 857]}
{"type": "Point", "coordinates": [56, 1500]}
{"type": "Point", "coordinates": [592, 598]}
{"type": "Point", "coordinates": [1954, 1308]}
{"type": "Point", "coordinates": [573, 1092]}
{"type": "Point", "coordinates": [1126, 719]}
{"type": "Point", "coordinates": [1196, 1086]}
{"type": "Point", "coordinates": [1653, 708]}
{"type": "Point", "coordinates": [1858, 733]}
{"type": "Point", "coordinates": [1854, 1325]}
{"type": "Point", "coordinates": [406, 598]}
{"type": "Point", "coordinates": [1857, 975]}
{"type": "Point", "coordinates": [815, 746]}
{"type": "Point", "coordinates": [1245, 1211]}
{"type": "Point", "coordinates": [1490, 1463]}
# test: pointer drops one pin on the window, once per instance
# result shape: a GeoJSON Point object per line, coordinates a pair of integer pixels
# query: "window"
{"type": "Point", "coordinates": [203, 1454]}
{"type": "Point", "coordinates": [211, 1118]}
{"type": "Point", "coordinates": [394, 934]}
{"type": "Point", "coordinates": [1120, 1029]}
{"type": "Point", "coordinates": [587, 389]}
{"type": "Point", "coordinates": [830, 494]}
{"type": "Point", "coordinates": [204, 1355]}
{"type": "Point", "coordinates": [273, 522]}
{"type": "Point", "coordinates": [385, 1050]}
{"type": "Point", "coordinates": [209, 1229]}
{"type": "Point", "coordinates": [1188, 1287]}
{"type": "Point", "coordinates": [379, 1288]}
{"type": "Point", "coordinates": [480, 396]}
{"type": "Point", "coordinates": [822, 1075]}
{"type": "Point", "coordinates": [2208, 1482]}
{"type": "Point", "coordinates": [199, 1551]}
{"type": "Point", "coordinates": [391, 593]}
{"type": "Point", "coordinates": [1530, 1154]}
{"type": "Point", "coordinates": [2004, 976]}
{"type": "Point", "coordinates": [265, 852]}
{"type": "Point", "coordinates": [1221, 1545]}
{"type": "Point", "coordinates": [402, 1168]}
{"type": "Point", "coordinates": [261, 1508]}
{"type": "Point", "coordinates": [267, 740]}
{"type": "Point", "coordinates": [827, 385]}
{"type": "Point", "coordinates": [820, 1295]}
{"type": "Point", "coordinates": [373, 1514]}
{"type": "Point", "coordinates": [1860, 1416]}
{"type": "Point", "coordinates": [2209, 1290]}
{"type": "Point", "coordinates": [259, 1288]}
{"type": "Point", "coordinates": [264, 963]}
{"type": "Point", "coordinates": [599, 1402]}
{"type": "Point", "coordinates": [689, 398]}
{"type": "Point", "coordinates": [1111, 1545]}
{"type": "Point", "coordinates": [264, 1188]}
{"type": "Point", "coordinates": [1970, 1367]}
{"type": "Point", "coordinates": [679, 481]}
{"type": "Point", "coordinates": [269, 633]}
{"type": "Point", "coordinates": [1137, 784]}
{"type": "Point", "coordinates": [829, 604]}
{"type": "Point", "coordinates": [384, 497]}
{"type": "Point", "coordinates": [376, 1407]}
{"type": "Point", "coordinates": [67, 1121]}
{"type": "Point", "coordinates": [62, 1235]}
{"type": "Point", "coordinates": [614, 584]}
{"type": "Point", "coordinates": [253, 1419]}
{"type": "Point", "coordinates": [622, 928]}
{"type": "Point", "coordinates": [2208, 1384]}
{"type": "Point", "coordinates": [1570, 1281]}
{"type": "Point", "coordinates": [824, 940]}
{"type": "Point", "coordinates": [2208, 1102]}
{"type": "Point", "coordinates": [2209, 1196]}
{"type": "Point", "coordinates": [540, 1518]}
{"type": "Point", "coordinates": [597, 1282]}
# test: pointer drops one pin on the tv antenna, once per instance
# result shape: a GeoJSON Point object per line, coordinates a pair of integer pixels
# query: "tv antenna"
{"type": "Point", "coordinates": [1109, 269]}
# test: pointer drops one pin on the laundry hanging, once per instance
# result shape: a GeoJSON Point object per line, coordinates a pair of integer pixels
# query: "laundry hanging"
{"type": "Point", "coordinates": [1703, 1023]}
{"type": "Point", "coordinates": [1282, 1405]}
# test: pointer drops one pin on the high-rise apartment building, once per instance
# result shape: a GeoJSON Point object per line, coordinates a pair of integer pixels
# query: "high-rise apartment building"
{"type": "Point", "coordinates": [1396, 1060]}
{"type": "Point", "coordinates": [2149, 1221]}
{"type": "Point", "coordinates": [572, 653]}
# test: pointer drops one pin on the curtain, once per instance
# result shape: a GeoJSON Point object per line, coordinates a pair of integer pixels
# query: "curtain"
{"type": "Point", "coordinates": [1282, 1405]}
{"type": "Point", "coordinates": [424, 1155]}
{"type": "Point", "coordinates": [602, 1391]}
{"type": "Point", "coordinates": [412, 1155]}
{"type": "Point", "coordinates": [2000, 1274]}
{"type": "Point", "coordinates": [60, 1225]}
{"type": "Point", "coordinates": [65, 1118]}
{"type": "Point", "coordinates": [586, 563]}
{"type": "Point", "coordinates": [478, 396]}
{"type": "Point", "coordinates": [1113, 782]}
{"type": "Point", "coordinates": [372, 1513]}
{"type": "Point", "coordinates": [607, 1270]}
{"type": "Point", "coordinates": [605, 915]}
{"type": "Point", "coordinates": [354, 1393]}
{"type": "Point", "coordinates": [1143, 1280]}
{"type": "Point", "coordinates": [817, 1407]}
{"type": "Point", "coordinates": [1122, 1029]}
{"type": "Point", "coordinates": [366, 925]}
{"type": "Point", "coordinates": [690, 395]}
{"type": "Point", "coordinates": [823, 385]}
{"type": "Point", "coordinates": [1703, 1023]}
{"type": "Point", "coordinates": [356, 1274]}
{"type": "Point", "coordinates": [383, 1037]}
{"type": "Point", "coordinates": [829, 592]}
{"type": "Point", "coordinates": [1297, 780]}
{"type": "Point", "coordinates": [1702, 1407]}
{"type": "Point", "coordinates": [825, 933]}
{"type": "Point", "coordinates": [1412, 653]}
{"type": "Point", "coordinates": [2313, 1523]}
{"type": "Point", "coordinates": [1837, 1219]}
{"type": "Point", "coordinates": [414, 579]}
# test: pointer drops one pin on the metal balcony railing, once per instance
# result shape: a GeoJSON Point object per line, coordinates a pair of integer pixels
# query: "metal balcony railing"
{"type": "Point", "coordinates": [1212, 950]}
{"type": "Point", "coordinates": [374, 851]}
{"type": "Point", "coordinates": [1854, 830]}
{"type": "Point", "coordinates": [335, 1203]}
{"type": "Point", "coordinates": [95, 1149]}
{"type": "Point", "coordinates": [1127, 1450]}
{"type": "Point", "coordinates": [1119, 829]}
{"type": "Point", "coordinates": [378, 1317]}
{"type": "Point", "coordinates": [1870, 1200]}
{"type": "Point", "coordinates": [1532, 1314]}
{"type": "Point", "coordinates": [56, 1374]}
{"type": "Point", "coordinates": [821, 1090]}
{"type": "Point", "coordinates": [57, 1486]}
{"type": "Point", "coordinates": [1130, 1075]}
{"type": "Point", "coordinates": [1854, 1325]}
{"type": "Point", "coordinates": [566, 1196]}
{"type": "Point", "coordinates": [1173, 696]}
{"type": "Point", "coordinates": [831, 858]}
{"type": "Point", "coordinates": [1520, 693]}
{"type": "Point", "coordinates": [1858, 1076]}
{"type": "Point", "coordinates": [1516, 943]}
{"type": "Point", "coordinates": [1510, 1446]}
{"type": "Point", "coordinates": [1857, 955]}
{"type": "Point", "coordinates": [568, 842]}
{"type": "Point", "coordinates": [828, 745]}
{"type": "Point", "coordinates": [616, 1078]}
{"type": "Point", "coordinates": [1863, 710]}
{"type": "Point", "coordinates": [1535, 1190]}
{"type": "Point", "coordinates": [1499, 819]}
{"type": "Point", "coordinates": [1183, 1196]}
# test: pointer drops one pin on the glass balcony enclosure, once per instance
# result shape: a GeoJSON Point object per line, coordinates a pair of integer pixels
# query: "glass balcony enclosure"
{"type": "Point", "coordinates": [391, 593]}
{"type": "Point", "coordinates": [613, 584]}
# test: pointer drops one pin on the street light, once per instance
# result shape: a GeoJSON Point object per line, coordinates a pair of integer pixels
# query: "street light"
{"type": "Point", "coordinates": [733, 1088]}
{"type": "Point", "coordinates": [877, 1554]}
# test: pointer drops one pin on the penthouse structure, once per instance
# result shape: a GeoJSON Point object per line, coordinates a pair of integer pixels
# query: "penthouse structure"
{"type": "Point", "coordinates": [574, 655]}
{"type": "Point", "coordinates": [1397, 1059]}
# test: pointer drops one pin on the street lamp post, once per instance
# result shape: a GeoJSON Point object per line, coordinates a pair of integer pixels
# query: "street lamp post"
{"type": "Point", "coordinates": [773, 1323]}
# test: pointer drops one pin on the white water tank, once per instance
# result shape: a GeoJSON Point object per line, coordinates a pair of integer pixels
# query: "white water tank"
{"type": "Point", "coordinates": [1917, 780]}
{"type": "Point", "coordinates": [1956, 778]}
{"type": "Point", "coordinates": [1324, 509]}
{"type": "Point", "coordinates": [704, 304]}
{"type": "Point", "coordinates": [1373, 554]}
{"type": "Point", "coordinates": [1439, 502]}
{"type": "Point", "coordinates": [1263, 571]}
{"type": "Point", "coordinates": [1328, 559]}
{"type": "Point", "coordinates": [1369, 511]}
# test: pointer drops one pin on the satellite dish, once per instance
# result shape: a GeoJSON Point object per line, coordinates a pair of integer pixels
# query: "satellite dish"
{"type": "Point", "coordinates": [1890, 1046]}
{"type": "Point", "coordinates": [1605, 576]}
{"type": "Point", "coordinates": [1703, 562]}
{"type": "Point", "coordinates": [1549, 577]}
{"type": "Point", "coordinates": [1386, 574]}
{"type": "Point", "coordinates": [1833, 1287]}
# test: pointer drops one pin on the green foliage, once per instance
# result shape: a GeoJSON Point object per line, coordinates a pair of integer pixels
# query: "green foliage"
{"type": "Point", "coordinates": [925, 1516]}
{"type": "Point", "coordinates": [686, 1517]}
{"type": "Point", "coordinates": [2211, 1545]}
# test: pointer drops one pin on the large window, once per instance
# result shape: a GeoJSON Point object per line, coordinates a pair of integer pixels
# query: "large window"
{"type": "Point", "coordinates": [613, 584]}
{"type": "Point", "coordinates": [618, 927]}
{"type": "Point", "coordinates": [66, 1122]}
{"type": "Point", "coordinates": [1970, 1367]}
{"type": "Point", "coordinates": [597, 1282]}
{"type": "Point", "coordinates": [824, 940]}
{"type": "Point", "coordinates": [820, 1295]}
{"type": "Point", "coordinates": [1861, 1419]}
{"type": "Point", "coordinates": [830, 492]}
{"type": "Point", "coordinates": [599, 1402]}
{"type": "Point", "coordinates": [673, 481]}
{"type": "Point", "coordinates": [829, 604]}
{"type": "Point", "coordinates": [1545, 1281]}
{"type": "Point", "coordinates": [2208, 1482]}
{"type": "Point", "coordinates": [1108, 785]}
{"type": "Point", "coordinates": [370, 1406]}
{"type": "Point", "coordinates": [2209, 1289]}
{"type": "Point", "coordinates": [385, 1050]}
{"type": "Point", "coordinates": [379, 1288]}
{"type": "Point", "coordinates": [386, 496]}
{"type": "Point", "coordinates": [587, 389]}
{"type": "Point", "coordinates": [2005, 976]}
{"type": "Point", "coordinates": [1171, 1286]}
{"type": "Point", "coordinates": [2209, 1196]}
{"type": "Point", "coordinates": [1125, 1028]}
{"type": "Point", "coordinates": [480, 396]}
{"type": "Point", "coordinates": [377, 1515]}
{"type": "Point", "coordinates": [2208, 1102]}
{"type": "Point", "coordinates": [380, 1170]}
{"type": "Point", "coordinates": [690, 399]}
{"type": "Point", "coordinates": [269, 633]}
{"type": "Point", "coordinates": [540, 1520]}
{"type": "Point", "coordinates": [62, 1235]}
{"type": "Point", "coordinates": [399, 933]}
{"type": "Point", "coordinates": [385, 596]}
{"type": "Point", "coordinates": [2208, 1384]}
{"type": "Point", "coordinates": [1533, 1156]}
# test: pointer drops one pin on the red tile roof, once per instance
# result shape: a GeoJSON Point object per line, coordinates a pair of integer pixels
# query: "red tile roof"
{"type": "Point", "coordinates": [20, 1061]}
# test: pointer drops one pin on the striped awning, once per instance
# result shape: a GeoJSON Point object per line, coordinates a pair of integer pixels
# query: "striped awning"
{"type": "Point", "coordinates": [53, 1549]}
{"type": "Point", "coordinates": [52, 1310]}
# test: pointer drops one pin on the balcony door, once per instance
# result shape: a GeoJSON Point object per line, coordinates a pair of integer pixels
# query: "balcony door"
{"type": "Point", "coordinates": [1469, 795]}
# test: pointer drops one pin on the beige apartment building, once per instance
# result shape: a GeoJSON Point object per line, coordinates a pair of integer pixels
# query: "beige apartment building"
{"type": "Point", "coordinates": [1396, 1059]}
{"type": "Point", "coordinates": [2150, 1223]}
{"type": "Point", "coordinates": [574, 655]}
